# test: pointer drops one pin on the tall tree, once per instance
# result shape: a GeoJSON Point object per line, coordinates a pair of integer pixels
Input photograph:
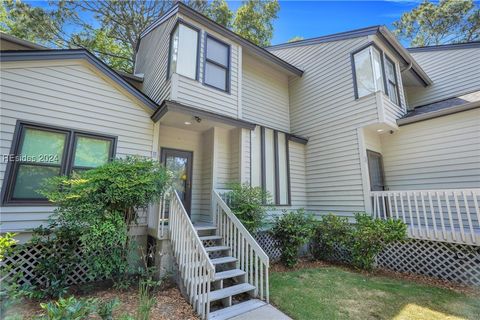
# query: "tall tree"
{"type": "Point", "coordinates": [111, 29]}
{"type": "Point", "coordinates": [295, 39]}
{"type": "Point", "coordinates": [448, 21]}
{"type": "Point", "coordinates": [254, 20]}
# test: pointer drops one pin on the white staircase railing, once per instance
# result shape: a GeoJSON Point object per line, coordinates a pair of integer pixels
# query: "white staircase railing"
{"type": "Point", "coordinates": [251, 257]}
{"type": "Point", "coordinates": [195, 268]}
{"type": "Point", "coordinates": [442, 215]}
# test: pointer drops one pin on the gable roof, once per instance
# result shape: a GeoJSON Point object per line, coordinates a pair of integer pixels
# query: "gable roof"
{"type": "Point", "coordinates": [381, 31]}
{"type": "Point", "coordinates": [183, 9]}
{"type": "Point", "coordinates": [452, 46]}
{"type": "Point", "coordinates": [75, 54]}
{"type": "Point", "coordinates": [21, 42]}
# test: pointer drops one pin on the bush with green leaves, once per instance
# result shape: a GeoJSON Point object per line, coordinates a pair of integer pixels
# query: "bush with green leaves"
{"type": "Point", "coordinates": [6, 243]}
{"type": "Point", "coordinates": [330, 233]}
{"type": "Point", "coordinates": [248, 205]}
{"type": "Point", "coordinates": [102, 204]}
{"type": "Point", "coordinates": [370, 236]}
{"type": "Point", "coordinates": [292, 230]}
{"type": "Point", "coordinates": [105, 308]}
{"type": "Point", "coordinates": [68, 308]}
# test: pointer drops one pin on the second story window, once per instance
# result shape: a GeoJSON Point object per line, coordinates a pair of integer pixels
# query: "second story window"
{"type": "Point", "coordinates": [368, 71]}
{"type": "Point", "coordinates": [184, 51]}
{"type": "Point", "coordinates": [217, 64]}
{"type": "Point", "coordinates": [392, 85]}
{"type": "Point", "coordinates": [374, 71]}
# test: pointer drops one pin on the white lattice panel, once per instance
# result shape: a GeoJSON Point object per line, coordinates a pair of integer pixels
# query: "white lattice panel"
{"type": "Point", "coordinates": [268, 244]}
{"type": "Point", "coordinates": [455, 262]}
{"type": "Point", "coordinates": [23, 263]}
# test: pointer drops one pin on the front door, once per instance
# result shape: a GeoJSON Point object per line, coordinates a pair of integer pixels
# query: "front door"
{"type": "Point", "coordinates": [377, 178]}
{"type": "Point", "coordinates": [179, 162]}
{"type": "Point", "coordinates": [375, 169]}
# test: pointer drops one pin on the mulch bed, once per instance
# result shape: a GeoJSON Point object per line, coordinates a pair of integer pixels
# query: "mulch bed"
{"type": "Point", "coordinates": [312, 264]}
{"type": "Point", "coordinates": [170, 304]}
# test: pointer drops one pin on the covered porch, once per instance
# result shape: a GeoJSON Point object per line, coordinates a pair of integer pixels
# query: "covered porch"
{"type": "Point", "coordinates": [204, 151]}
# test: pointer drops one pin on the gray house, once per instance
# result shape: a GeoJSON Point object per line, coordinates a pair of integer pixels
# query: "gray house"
{"type": "Point", "coordinates": [344, 123]}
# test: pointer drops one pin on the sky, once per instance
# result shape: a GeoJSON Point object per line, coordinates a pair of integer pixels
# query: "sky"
{"type": "Point", "coordinates": [310, 19]}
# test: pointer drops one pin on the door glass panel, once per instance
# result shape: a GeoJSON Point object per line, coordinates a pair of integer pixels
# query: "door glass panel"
{"type": "Point", "coordinates": [178, 166]}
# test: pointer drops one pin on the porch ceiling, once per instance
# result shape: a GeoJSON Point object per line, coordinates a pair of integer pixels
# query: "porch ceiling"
{"type": "Point", "coordinates": [176, 114]}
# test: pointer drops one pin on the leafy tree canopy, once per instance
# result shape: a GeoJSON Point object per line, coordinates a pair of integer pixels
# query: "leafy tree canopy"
{"type": "Point", "coordinates": [448, 21]}
{"type": "Point", "coordinates": [111, 29]}
{"type": "Point", "coordinates": [295, 39]}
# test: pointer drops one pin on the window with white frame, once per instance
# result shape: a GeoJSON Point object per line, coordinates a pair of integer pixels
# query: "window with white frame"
{"type": "Point", "coordinates": [184, 51]}
{"type": "Point", "coordinates": [374, 71]}
{"type": "Point", "coordinates": [217, 64]}
{"type": "Point", "coordinates": [269, 164]}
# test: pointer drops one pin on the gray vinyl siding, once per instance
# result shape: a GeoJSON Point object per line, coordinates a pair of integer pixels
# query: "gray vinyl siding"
{"type": "Point", "coordinates": [298, 190]}
{"type": "Point", "coordinates": [441, 153]}
{"type": "Point", "coordinates": [66, 94]}
{"type": "Point", "coordinates": [264, 95]}
{"type": "Point", "coordinates": [194, 93]}
{"type": "Point", "coordinates": [152, 61]}
{"type": "Point", "coordinates": [324, 109]}
{"type": "Point", "coordinates": [454, 72]}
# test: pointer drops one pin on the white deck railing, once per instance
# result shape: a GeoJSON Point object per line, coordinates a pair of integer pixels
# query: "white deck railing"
{"type": "Point", "coordinates": [442, 215]}
{"type": "Point", "coordinates": [195, 268]}
{"type": "Point", "coordinates": [251, 257]}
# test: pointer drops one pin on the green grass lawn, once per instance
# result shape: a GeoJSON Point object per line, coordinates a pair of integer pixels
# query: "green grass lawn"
{"type": "Point", "coordinates": [334, 293]}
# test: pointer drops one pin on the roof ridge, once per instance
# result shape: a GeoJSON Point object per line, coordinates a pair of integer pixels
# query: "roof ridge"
{"type": "Point", "coordinates": [448, 46]}
{"type": "Point", "coordinates": [330, 37]}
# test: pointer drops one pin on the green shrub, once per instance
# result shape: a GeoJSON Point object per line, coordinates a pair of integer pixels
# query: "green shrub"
{"type": "Point", "coordinates": [146, 301]}
{"type": "Point", "coordinates": [330, 232]}
{"type": "Point", "coordinates": [69, 308]}
{"type": "Point", "coordinates": [102, 204]}
{"type": "Point", "coordinates": [105, 309]}
{"type": "Point", "coordinates": [247, 203]}
{"type": "Point", "coordinates": [370, 236]}
{"type": "Point", "coordinates": [292, 230]}
{"type": "Point", "coordinates": [6, 243]}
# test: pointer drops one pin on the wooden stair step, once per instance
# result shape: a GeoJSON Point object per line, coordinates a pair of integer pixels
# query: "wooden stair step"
{"type": "Point", "coordinates": [228, 274]}
{"type": "Point", "coordinates": [205, 227]}
{"type": "Point", "coordinates": [217, 248]}
{"type": "Point", "coordinates": [236, 309]}
{"type": "Point", "coordinates": [206, 238]}
{"type": "Point", "coordinates": [230, 291]}
{"type": "Point", "coordinates": [223, 260]}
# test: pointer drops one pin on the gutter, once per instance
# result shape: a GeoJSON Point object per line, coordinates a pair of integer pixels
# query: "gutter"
{"type": "Point", "coordinates": [439, 113]}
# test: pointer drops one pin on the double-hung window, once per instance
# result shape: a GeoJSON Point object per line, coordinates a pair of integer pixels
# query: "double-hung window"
{"type": "Point", "coordinates": [183, 58]}
{"type": "Point", "coordinates": [217, 64]}
{"type": "Point", "coordinates": [374, 71]}
{"type": "Point", "coordinates": [41, 152]}
{"type": "Point", "coordinates": [270, 167]}
{"type": "Point", "coordinates": [392, 85]}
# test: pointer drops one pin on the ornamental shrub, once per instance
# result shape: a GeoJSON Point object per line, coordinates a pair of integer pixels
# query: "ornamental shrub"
{"type": "Point", "coordinates": [247, 203]}
{"type": "Point", "coordinates": [330, 232]}
{"type": "Point", "coordinates": [292, 230]}
{"type": "Point", "coordinates": [69, 308]}
{"type": "Point", "coordinates": [370, 236]}
{"type": "Point", "coordinates": [101, 204]}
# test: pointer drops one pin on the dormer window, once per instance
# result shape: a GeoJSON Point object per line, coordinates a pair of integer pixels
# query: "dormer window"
{"type": "Point", "coordinates": [374, 71]}
{"type": "Point", "coordinates": [184, 51]}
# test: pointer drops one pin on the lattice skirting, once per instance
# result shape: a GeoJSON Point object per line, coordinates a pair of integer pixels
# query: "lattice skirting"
{"type": "Point", "coordinates": [22, 264]}
{"type": "Point", "coordinates": [454, 262]}
{"type": "Point", "coordinates": [268, 244]}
